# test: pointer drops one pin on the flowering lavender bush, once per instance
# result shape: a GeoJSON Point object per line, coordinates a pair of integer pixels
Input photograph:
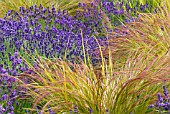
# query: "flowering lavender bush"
{"type": "Point", "coordinates": [56, 34]}
{"type": "Point", "coordinates": [8, 94]}
{"type": "Point", "coordinates": [49, 32]}
{"type": "Point", "coordinates": [12, 63]}
{"type": "Point", "coordinates": [163, 103]}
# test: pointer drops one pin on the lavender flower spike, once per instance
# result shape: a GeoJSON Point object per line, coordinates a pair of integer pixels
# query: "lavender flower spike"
{"type": "Point", "coordinates": [165, 92]}
{"type": "Point", "coordinates": [160, 99]}
{"type": "Point", "coordinates": [91, 111]}
{"type": "Point", "coordinates": [50, 110]}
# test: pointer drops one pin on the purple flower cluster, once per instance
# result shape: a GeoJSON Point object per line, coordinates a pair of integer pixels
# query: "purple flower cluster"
{"type": "Point", "coordinates": [49, 32]}
{"type": "Point", "coordinates": [163, 103]}
{"type": "Point", "coordinates": [8, 94]}
{"type": "Point", "coordinates": [55, 34]}
{"type": "Point", "coordinates": [12, 64]}
{"type": "Point", "coordinates": [121, 11]}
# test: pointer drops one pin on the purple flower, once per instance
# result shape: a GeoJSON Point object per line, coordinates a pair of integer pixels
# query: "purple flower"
{"type": "Point", "coordinates": [27, 112]}
{"type": "Point", "coordinates": [160, 99]}
{"type": "Point", "coordinates": [4, 97]}
{"type": "Point", "coordinates": [163, 104]}
{"type": "Point", "coordinates": [3, 71]}
{"type": "Point", "coordinates": [80, 4]}
{"type": "Point", "coordinates": [75, 109]}
{"type": "Point", "coordinates": [107, 111]}
{"type": "Point", "coordinates": [165, 92]}
{"type": "Point", "coordinates": [50, 110]}
{"type": "Point", "coordinates": [38, 110]}
{"type": "Point", "coordinates": [71, 111]}
{"type": "Point", "coordinates": [151, 106]}
{"type": "Point", "coordinates": [13, 72]}
{"type": "Point", "coordinates": [91, 111]}
{"type": "Point", "coordinates": [11, 108]}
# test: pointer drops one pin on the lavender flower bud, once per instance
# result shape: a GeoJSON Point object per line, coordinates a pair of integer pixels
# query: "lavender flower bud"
{"type": "Point", "coordinates": [165, 92]}
{"type": "Point", "coordinates": [50, 110]}
{"type": "Point", "coordinates": [91, 111]}
{"type": "Point", "coordinates": [160, 99]}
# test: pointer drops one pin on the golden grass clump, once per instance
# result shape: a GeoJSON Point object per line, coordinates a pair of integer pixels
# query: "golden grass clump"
{"type": "Point", "coordinates": [62, 85]}
{"type": "Point", "coordinates": [150, 34]}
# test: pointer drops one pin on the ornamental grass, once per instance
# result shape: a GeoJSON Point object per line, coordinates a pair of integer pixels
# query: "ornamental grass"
{"type": "Point", "coordinates": [62, 86]}
{"type": "Point", "coordinates": [149, 34]}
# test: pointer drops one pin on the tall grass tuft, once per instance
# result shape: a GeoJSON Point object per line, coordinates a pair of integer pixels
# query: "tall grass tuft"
{"type": "Point", "coordinates": [150, 34]}
{"type": "Point", "coordinates": [64, 86]}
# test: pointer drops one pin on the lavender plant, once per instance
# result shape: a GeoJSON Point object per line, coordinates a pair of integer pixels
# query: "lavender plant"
{"type": "Point", "coordinates": [163, 103]}
{"type": "Point", "coordinates": [51, 33]}
{"type": "Point", "coordinates": [121, 12]}
{"type": "Point", "coordinates": [9, 94]}
{"type": "Point", "coordinates": [12, 64]}
{"type": "Point", "coordinates": [6, 99]}
{"type": "Point", "coordinates": [55, 34]}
